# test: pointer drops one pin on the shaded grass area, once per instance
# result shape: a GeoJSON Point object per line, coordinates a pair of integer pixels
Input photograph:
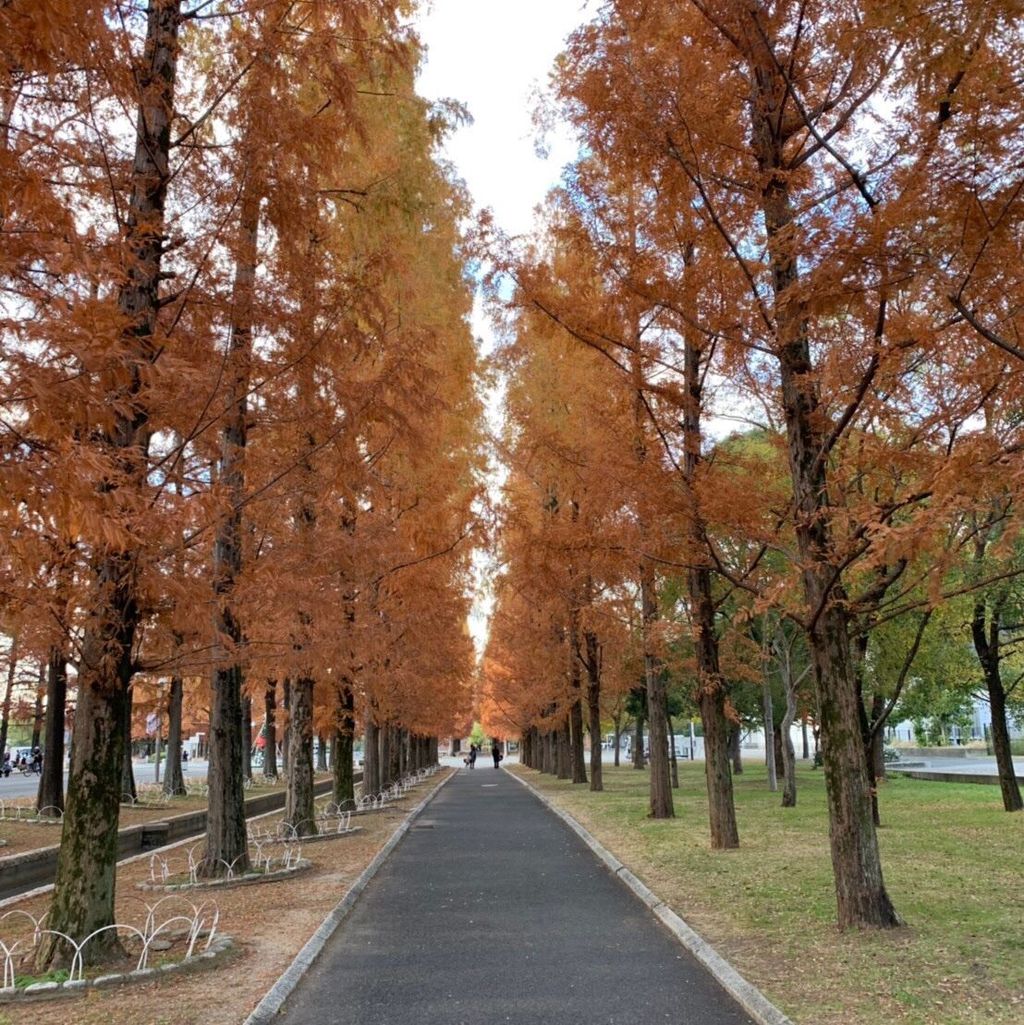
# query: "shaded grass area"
{"type": "Point", "coordinates": [954, 866]}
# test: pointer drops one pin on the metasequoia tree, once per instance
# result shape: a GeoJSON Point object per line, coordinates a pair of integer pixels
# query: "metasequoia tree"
{"type": "Point", "coordinates": [837, 324]}
{"type": "Point", "coordinates": [568, 526]}
{"type": "Point", "coordinates": [129, 404]}
{"type": "Point", "coordinates": [84, 887]}
{"type": "Point", "coordinates": [749, 126]}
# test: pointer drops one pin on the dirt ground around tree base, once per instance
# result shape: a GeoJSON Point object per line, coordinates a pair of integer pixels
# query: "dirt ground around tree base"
{"type": "Point", "coordinates": [270, 923]}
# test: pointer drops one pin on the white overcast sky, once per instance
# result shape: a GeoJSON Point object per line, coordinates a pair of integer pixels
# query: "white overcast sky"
{"type": "Point", "coordinates": [494, 56]}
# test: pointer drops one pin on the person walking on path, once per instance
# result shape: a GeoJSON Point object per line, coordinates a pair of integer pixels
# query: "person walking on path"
{"type": "Point", "coordinates": [472, 756]}
{"type": "Point", "coordinates": [496, 752]}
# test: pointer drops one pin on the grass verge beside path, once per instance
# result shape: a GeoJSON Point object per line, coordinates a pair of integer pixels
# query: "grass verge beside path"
{"type": "Point", "coordinates": [953, 866]}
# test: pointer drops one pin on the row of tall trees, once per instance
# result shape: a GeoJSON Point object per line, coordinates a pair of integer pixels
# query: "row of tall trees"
{"type": "Point", "coordinates": [239, 427]}
{"type": "Point", "coordinates": [803, 218]}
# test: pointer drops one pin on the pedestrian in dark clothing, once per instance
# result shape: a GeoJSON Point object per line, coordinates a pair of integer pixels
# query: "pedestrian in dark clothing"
{"type": "Point", "coordinates": [472, 756]}
{"type": "Point", "coordinates": [496, 753]}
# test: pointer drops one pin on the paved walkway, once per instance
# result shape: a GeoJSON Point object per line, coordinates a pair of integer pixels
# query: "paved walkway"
{"type": "Point", "coordinates": [491, 910]}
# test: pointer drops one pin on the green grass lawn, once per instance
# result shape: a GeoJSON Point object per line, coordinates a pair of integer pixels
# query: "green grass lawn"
{"type": "Point", "coordinates": [953, 863]}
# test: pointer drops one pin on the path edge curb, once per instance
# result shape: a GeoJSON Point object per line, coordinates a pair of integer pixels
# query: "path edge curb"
{"type": "Point", "coordinates": [273, 1000]}
{"type": "Point", "coordinates": [747, 995]}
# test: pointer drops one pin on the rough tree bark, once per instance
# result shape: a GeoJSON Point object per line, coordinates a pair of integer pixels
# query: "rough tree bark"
{"type": "Point", "coordinates": [50, 798]}
{"type": "Point", "coordinates": [343, 781]}
{"type": "Point", "coordinates": [371, 757]}
{"type": "Point", "coordinates": [768, 722]}
{"type": "Point", "coordinates": [563, 751]}
{"type": "Point", "coordinates": [5, 711]}
{"type": "Point", "coordinates": [174, 778]}
{"type": "Point", "coordinates": [673, 759]}
{"type": "Point", "coordinates": [129, 792]}
{"type": "Point", "coordinates": [286, 704]}
{"type": "Point", "coordinates": [83, 898]}
{"type": "Point", "coordinates": [270, 730]}
{"type": "Point", "coordinates": [247, 738]}
{"type": "Point", "coordinates": [861, 896]}
{"type": "Point", "coordinates": [593, 662]}
{"type": "Point", "coordinates": [37, 712]}
{"type": "Point", "coordinates": [985, 630]}
{"type": "Point", "coordinates": [639, 761]}
{"type": "Point", "coordinates": [711, 688]}
{"type": "Point", "coordinates": [226, 843]}
{"type": "Point", "coordinates": [298, 804]}
{"type": "Point", "coordinates": [735, 754]}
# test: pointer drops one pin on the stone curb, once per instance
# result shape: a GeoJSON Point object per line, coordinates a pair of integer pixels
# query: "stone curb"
{"type": "Point", "coordinates": [275, 997]}
{"type": "Point", "coordinates": [749, 997]}
{"type": "Point", "coordinates": [49, 990]}
{"type": "Point", "coordinates": [247, 879]}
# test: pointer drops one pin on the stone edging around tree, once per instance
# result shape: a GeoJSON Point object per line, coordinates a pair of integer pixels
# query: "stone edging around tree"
{"type": "Point", "coordinates": [247, 879]}
{"type": "Point", "coordinates": [748, 996]}
{"type": "Point", "coordinates": [312, 839]}
{"type": "Point", "coordinates": [51, 990]}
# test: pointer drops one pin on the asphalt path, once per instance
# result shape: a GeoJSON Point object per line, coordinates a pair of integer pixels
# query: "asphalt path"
{"type": "Point", "coordinates": [492, 910]}
{"type": "Point", "coordinates": [20, 785]}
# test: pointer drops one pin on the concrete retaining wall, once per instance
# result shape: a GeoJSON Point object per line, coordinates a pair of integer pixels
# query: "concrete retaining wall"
{"type": "Point", "coordinates": [21, 872]}
{"type": "Point", "coordinates": [945, 777]}
{"type": "Point", "coordinates": [941, 752]}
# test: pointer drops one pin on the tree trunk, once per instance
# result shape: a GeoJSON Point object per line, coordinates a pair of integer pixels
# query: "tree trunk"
{"type": "Point", "coordinates": [594, 709]}
{"type": "Point", "coordinates": [385, 740]}
{"type": "Point", "coordinates": [576, 754]}
{"type": "Point", "coordinates": [579, 762]}
{"type": "Point", "coordinates": [50, 799]}
{"type": "Point", "coordinates": [777, 747]}
{"type": "Point", "coordinates": [395, 764]}
{"type": "Point", "coordinates": [226, 842]}
{"type": "Point", "coordinates": [83, 898]}
{"type": "Point", "coordinates": [371, 758]}
{"type": "Point", "coordinates": [618, 742]}
{"type": "Point", "coordinates": [564, 750]}
{"type": "Point", "coordinates": [876, 753]}
{"type": "Point", "coordinates": [806, 753]}
{"type": "Point", "coordinates": [549, 760]}
{"type": "Point", "coordinates": [639, 761]}
{"type": "Point", "coordinates": [5, 711]}
{"type": "Point", "coordinates": [768, 719]}
{"type": "Point", "coordinates": [321, 753]}
{"type": "Point", "coordinates": [270, 730]}
{"type": "Point", "coordinates": [286, 704]}
{"type": "Point", "coordinates": [673, 760]}
{"type": "Point", "coordinates": [299, 811]}
{"type": "Point", "coordinates": [711, 684]}
{"type": "Point", "coordinates": [860, 890]}
{"type": "Point", "coordinates": [735, 754]}
{"type": "Point", "coordinates": [343, 789]}
{"type": "Point", "coordinates": [174, 778]}
{"type": "Point", "coordinates": [247, 738]}
{"type": "Point", "coordinates": [129, 791]}
{"type": "Point", "coordinates": [660, 805]}
{"type": "Point", "coordinates": [788, 754]}
{"type": "Point", "coordinates": [38, 714]}
{"type": "Point", "coordinates": [985, 629]}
